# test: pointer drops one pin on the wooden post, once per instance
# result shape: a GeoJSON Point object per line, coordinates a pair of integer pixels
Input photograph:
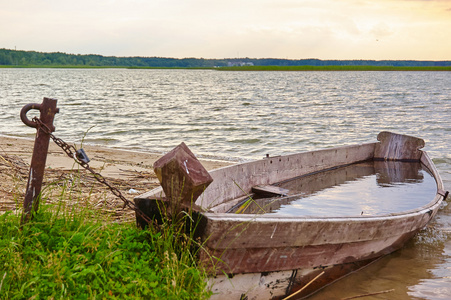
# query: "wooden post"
{"type": "Point", "coordinates": [182, 177]}
{"type": "Point", "coordinates": [41, 145]}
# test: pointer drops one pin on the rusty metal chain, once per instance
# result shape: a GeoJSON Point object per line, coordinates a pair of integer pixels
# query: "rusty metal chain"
{"type": "Point", "coordinates": [71, 151]}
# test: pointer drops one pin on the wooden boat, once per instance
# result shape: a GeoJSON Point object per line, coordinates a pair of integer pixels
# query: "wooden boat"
{"type": "Point", "coordinates": [274, 255]}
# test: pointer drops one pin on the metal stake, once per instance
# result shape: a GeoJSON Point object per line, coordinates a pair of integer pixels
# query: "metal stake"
{"type": "Point", "coordinates": [41, 145]}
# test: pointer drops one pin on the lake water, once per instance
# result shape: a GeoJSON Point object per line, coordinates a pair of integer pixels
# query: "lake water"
{"type": "Point", "coordinates": [241, 116]}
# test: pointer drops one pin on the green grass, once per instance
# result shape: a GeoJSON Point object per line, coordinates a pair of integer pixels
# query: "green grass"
{"type": "Point", "coordinates": [332, 68]}
{"type": "Point", "coordinates": [78, 254]}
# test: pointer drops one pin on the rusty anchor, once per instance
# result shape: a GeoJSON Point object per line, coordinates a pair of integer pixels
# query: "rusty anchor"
{"type": "Point", "coordinates": [47, 110]}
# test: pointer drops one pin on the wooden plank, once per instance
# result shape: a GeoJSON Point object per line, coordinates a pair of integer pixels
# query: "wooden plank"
{"type": "Point", "coordinates": [394, 146]}
{"type": "Point", "coordinates": [269, 191]}
{"type": "Point", "coordinates": [267, 259]}
{"type": "Point", "coordinates": [270, 231]}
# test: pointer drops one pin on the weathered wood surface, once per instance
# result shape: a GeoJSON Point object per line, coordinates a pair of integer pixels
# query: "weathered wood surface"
{"type": "Point", "coordinates": [427, 161]}
{"type": "Point", "coordinates": [236, 181]}
{"type": "Point", "coordinates": [181, 175]}
{"type": "Point", "coordinates": [250, 244]}
{"type": "Point", "coordinates": [394, 146]}
{"type": "Point", "coordinates": [279, 284]}
{"type": "Point", "coordinates": [270, 190]}
{"type": "Point", "coordinates": [264, 244]}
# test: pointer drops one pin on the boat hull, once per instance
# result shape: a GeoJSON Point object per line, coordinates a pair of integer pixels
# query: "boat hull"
{"type": "Point", "coordinates": [277, 285]}
{"type": "Point", "coordinates": [267, 256]}
{"type": "Point", "coordinates": [281, 244]}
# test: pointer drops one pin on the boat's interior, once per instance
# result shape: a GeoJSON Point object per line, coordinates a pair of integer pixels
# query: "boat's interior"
{"type": "Point", "coordinates": [365, 188]}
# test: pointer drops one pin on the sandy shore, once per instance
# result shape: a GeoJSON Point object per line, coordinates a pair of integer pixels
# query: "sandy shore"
{"type": "Point", "coordinates": [131, 172]}
{"type": "Point", "coordinates": [112, 161]}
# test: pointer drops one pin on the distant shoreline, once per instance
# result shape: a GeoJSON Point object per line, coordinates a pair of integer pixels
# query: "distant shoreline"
{"type": "Point", "coordinates": [247, 68]}
{"type": "Point", "coordinates": [332, 68]}
{"type": "Point", "coordinates": [97, 67]}
{"type": "Point", "coordinates": [34, 59]}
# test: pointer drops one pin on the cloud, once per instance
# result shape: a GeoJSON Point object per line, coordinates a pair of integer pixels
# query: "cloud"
{"type": "Point", "coordinates": [216, 29]}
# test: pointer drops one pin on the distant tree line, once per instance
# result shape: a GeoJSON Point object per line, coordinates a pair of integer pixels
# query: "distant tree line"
{"type": "Point", "coordinates": [33, 58]}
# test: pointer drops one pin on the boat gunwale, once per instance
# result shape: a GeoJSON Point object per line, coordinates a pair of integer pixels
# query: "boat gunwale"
{"type": "Point", "coordinates": [152, 194]}
{"type": "Point", "coordinates": [425, 160]}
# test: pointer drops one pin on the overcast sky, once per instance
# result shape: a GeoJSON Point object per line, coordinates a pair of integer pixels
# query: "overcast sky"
{"type": "Point", "coordinates": [295, 29]}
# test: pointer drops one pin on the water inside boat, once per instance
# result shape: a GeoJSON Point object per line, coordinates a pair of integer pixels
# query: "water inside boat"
{"type": "Point", "coordinates": [366, 188]}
